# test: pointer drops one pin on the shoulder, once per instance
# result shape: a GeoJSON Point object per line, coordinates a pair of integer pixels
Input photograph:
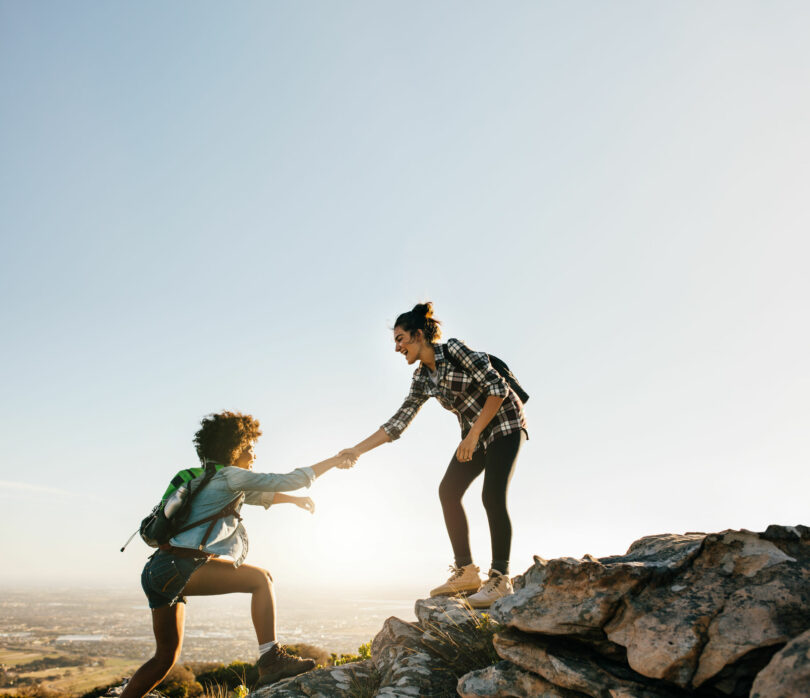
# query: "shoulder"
{"type": "Point", "coordinates": [228, 474]}
{"type": "Point", "coordinates": [456, 347]}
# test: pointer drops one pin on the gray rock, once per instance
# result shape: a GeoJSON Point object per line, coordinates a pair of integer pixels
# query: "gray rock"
{"type": "Point", "coordinates": [323, 683]}
{"type": "Point", "coordinates": [574, 597]}
{"type": "Point", "coordinates": [788, 673]}
{"type": "Point", "coordinates": [405, 666]}
{"type": "Point", "coordinates": [505, 680]}
{"type": "Point", "coordinates": [448, 612]}
{"type": "Point", "coordinates": [742, 597]}
{"type": "Point", "coordinates": [693, 610]}
{"type": "Point", "coordinates": [575, 667]}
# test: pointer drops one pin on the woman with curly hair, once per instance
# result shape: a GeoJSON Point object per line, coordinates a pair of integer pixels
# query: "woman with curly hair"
{"type": "Point", "coordinates": [493, 428]}
{"type": "Point", "coordinates": [190, 565]}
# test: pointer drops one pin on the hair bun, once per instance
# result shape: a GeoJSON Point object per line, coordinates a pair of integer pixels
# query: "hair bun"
{"type": "Point", "coordinates": [423, 309]}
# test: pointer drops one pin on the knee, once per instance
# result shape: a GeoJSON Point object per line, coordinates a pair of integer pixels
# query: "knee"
{"type": "Point", "coordinates": [165, 659]}
{"type": "Point", "coordinates": [493, 501]}
{"type": "Point", "coordinates": [448, 494]}
{"type": "Point", "coordinates": [262, 578]}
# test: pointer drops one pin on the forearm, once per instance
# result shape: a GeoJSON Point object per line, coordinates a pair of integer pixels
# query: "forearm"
{"type": "Point", "coordinates": [378, 438]}
{"type": "Point", "coordinates": [491, 407]}
{"type": "Point", "coordinates": [325, 465]}
{"type": "Point", "coordinates": [250, 482]}
{"type": "Point", "coordinates": [281, 498]}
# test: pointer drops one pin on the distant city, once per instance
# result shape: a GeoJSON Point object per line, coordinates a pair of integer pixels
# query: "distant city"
{"type": "Point", "coordinates": [52, 637]}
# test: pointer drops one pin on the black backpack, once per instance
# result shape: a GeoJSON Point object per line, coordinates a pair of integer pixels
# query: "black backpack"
{"type": "Point", "coordinates": [503, 370]}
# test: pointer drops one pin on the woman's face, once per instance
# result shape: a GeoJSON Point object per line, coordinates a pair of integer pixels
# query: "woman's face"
{"type": "Point", "coordinates": [245, 459]}
{"type": "Point", "coordinates": [407, 343]}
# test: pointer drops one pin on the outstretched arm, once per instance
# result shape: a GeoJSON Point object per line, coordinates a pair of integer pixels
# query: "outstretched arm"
{"type": "Point", "coordinates": [393, 428]}
{"type": "Point", "coordinates": [378, 438]}
{"type": "Point", "coordinates": [303, 502]}
{"type": "Point", "coordinates": [250, 482]}
{"type": "Point", "coordinates": [341, 460]}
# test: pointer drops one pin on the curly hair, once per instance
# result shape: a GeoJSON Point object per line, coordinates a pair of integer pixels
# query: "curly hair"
{"type": "Point", "coordinates": [420, 317]}
{"type": "Point", "coordinates": [223, 436]}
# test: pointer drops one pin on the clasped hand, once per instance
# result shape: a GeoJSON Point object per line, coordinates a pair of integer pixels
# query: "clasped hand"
{"type": "Point", "coordinates": [350, 456]}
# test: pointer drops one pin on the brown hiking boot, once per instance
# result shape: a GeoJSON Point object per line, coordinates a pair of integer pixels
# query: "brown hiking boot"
{"type": "Point", "coordinates": [276, 664]}
{"type": "Point", "coordinates": [463, 580]}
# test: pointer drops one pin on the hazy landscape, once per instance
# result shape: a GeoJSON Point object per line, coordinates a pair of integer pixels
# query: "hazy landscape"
{"type": "Point", "coordinates": [73, 641]}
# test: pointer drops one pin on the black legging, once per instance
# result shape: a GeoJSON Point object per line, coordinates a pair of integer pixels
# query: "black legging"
{"type": "Point", "coordinates": [498, 464]}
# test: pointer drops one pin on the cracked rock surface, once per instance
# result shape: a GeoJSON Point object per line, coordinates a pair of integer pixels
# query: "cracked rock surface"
{"type": "Point", "coordinates": [695, 613]}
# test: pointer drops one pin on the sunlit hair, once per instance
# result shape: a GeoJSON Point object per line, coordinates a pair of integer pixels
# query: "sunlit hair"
{"type": "Point", "coordinates": [421, 318]}
{"type": "Point", "coordinates": [222, 437]}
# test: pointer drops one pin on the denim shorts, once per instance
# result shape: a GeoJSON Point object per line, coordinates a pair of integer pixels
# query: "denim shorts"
{"type": "Point", "coordinates": [165, 575]}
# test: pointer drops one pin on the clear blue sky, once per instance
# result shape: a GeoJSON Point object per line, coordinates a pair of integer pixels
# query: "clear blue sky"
{"type": "Point", "coordinates": [209, 206]}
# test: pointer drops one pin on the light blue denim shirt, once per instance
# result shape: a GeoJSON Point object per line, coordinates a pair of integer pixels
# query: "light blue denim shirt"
{"type": "Point", "coordinates": [228, 536]}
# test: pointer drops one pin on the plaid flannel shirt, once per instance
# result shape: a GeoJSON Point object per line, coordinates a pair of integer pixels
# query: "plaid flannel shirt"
{"type": "Point", "coordinates": [463, 391]}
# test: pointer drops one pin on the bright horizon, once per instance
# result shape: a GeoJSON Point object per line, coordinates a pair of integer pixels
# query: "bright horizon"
{"type": "Point", "coordinates": [209, 209]}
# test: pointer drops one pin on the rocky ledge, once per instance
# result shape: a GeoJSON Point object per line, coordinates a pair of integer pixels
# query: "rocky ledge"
{"type": "Point", "coordinates": [715, 615]}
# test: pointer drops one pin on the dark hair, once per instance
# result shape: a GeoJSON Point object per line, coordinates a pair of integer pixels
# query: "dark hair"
{"type": "Point", "coordinates": [421, 318]}
{"type": "Point", "coordinates": [222, 437]}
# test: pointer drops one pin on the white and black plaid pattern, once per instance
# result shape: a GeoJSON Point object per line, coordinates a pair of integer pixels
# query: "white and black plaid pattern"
{"type": "Point", "coordinates": [462, 391]}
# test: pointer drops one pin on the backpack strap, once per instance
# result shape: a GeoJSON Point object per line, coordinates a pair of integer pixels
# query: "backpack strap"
{"type": "Point", "coordinates": [227, 510]}
{"type": "Point", "coordinates": [501, 369]}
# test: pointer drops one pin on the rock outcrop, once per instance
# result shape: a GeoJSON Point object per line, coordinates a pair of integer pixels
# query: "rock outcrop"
{"type": "Point", "coordinates": [723, 614]}
{"type": "Point", "coordinates": [408, 659]}
{"type": "Point", "coordinates": [343, 680]}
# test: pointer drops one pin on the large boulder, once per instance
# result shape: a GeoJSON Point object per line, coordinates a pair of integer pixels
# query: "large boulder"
{"type": "Point", "coordinates": [574, 597]}
{"type": "Point", "coordinates": [688, 611]}
{"type": "Point", "coordinates": [575, 667]}
{"type": "Point", "coordinates": [405, 665]}
{"type": "Point", "coordinates": [742, 598]}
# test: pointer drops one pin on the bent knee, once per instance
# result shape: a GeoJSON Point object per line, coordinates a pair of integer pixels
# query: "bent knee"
{"type": "Point", "coordinates": [260, 577]}
{"type": "Point", "coordinates": [165, 660]}
{"type": "Point", "coordinates": [448, 492]}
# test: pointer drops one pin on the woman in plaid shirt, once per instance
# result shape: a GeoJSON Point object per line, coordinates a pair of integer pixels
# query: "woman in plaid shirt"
{"type": "Point", "coordinates": [493, 428]}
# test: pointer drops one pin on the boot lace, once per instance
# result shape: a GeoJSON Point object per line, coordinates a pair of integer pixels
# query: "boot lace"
{"type": "Point", "coordinates": [456, 572]}
{"type": "Point", "coordinates": [491, 584]}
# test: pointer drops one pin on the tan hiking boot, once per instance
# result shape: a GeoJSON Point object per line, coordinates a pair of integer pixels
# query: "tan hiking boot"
{"type": "Point", "coordinates": [497, 586]}
{"type": "Point", "coordinates": [463, 580]}
{"type": "Point", "coordinates": [276, 664]}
